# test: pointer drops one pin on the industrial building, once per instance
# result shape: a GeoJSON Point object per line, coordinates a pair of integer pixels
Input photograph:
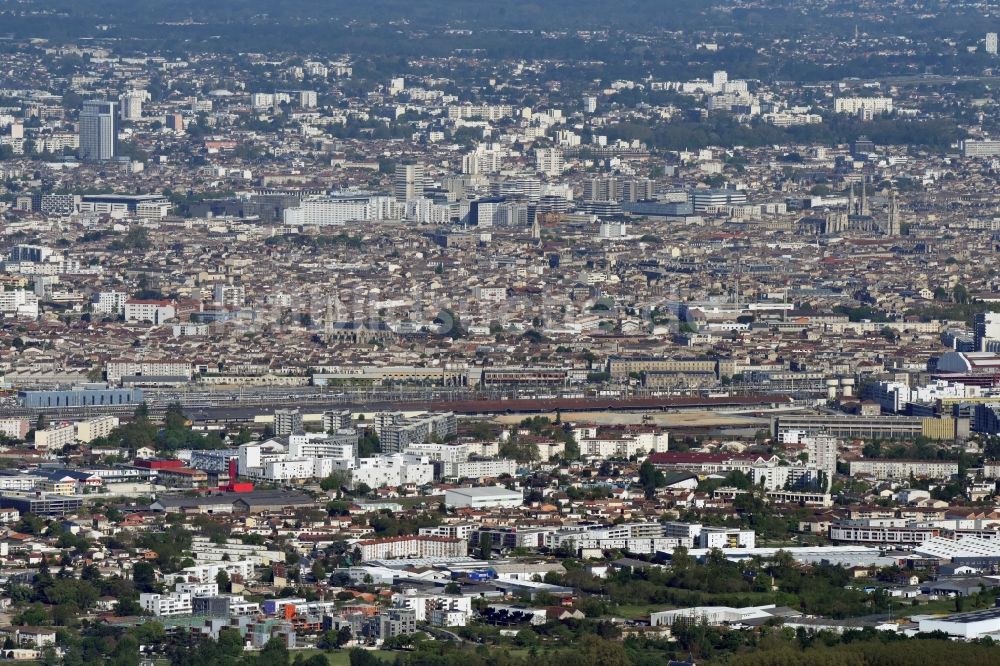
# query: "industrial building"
{"type": "Point", "coordinates": [489, 496]}
{"type": "Point", "coordinates": [964, 625]}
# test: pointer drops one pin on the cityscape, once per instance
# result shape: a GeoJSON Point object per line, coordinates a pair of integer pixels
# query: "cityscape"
{"type": "Point", "coordinates": [524, 334]}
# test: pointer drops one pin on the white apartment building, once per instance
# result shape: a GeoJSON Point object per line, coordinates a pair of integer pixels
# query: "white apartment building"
{"type": "Point", "coordinates": [822, 452]}
{"type": "Point", "coordinates": [286, 469]}
{"type": "Point", "coordinates": [228, 295]}
{"type": "Point", "coordinates": [872, 105]}
{"type": "Point", "coordinates": [396, 431]}
{"type": "Point", "coordinates": [207, 572]}
{"type": "Point", "coordinates": [393, 470]}
{"type": "Point", "coordinates": [879, 532]}
{"type": "Point", "coordinates": [549, 161]}
{"type": "Point", "coordinates": [777, 477]}
{"type": "Point", "coordinates": [451, 530]}
{"type": "Point", "coordinates": [411, 546]}
{"type": "Point", "coordinates": [903, 469]}
{"type": "Point", "coordinates": [340, 444]}
{"type": "Point", "coordinates": [307, 99]}
{"type": "Point", "coordinates": [109, 302]}
{"type": "Point", "coordinates": [166, 605]}
{"type": "Point", "coordinates": [726, 537]}
{"type": "Point", "coordinates": [424, 605]}
{"type": "Point", "coordinates": [498, 213]}
{"type": "Point", "coordinates": [408, 182]}
{"type": "Point", "coordinates": [130, 104]}
{"type": "Point", "coordinates": [478, 469]}
{"type": "Point", "coordinates": [490, 294]}
{"type": "Point", "coordinates": [483, 160]}
{"type": "Point", "coordinates": [893, 396]}
{"type": "Point", "coordinates": [91, 429]}
{"type": "Point", "coordinates": [206, 550]}
{"type": "Point", "coordinates": [177, 602]}
{"type": "Point", "coordinates": [55, 437]}
{"type": "Point", "coordinates": [198, 589]}
{"type": "Point", "coordinates": [116, 370]}
{"type": "Point", "coordinates": [483, 111]}
{"type": "Point", "coordinates": [645, 538]}
{"type": "Point", "coordinates": [329, 211]}
{"type": "Point", "coordinates": [268, 461]}
{"type": "Point", "coordinates": [448, 453]}
{"type": "Point", "coordinates": [14, 428]}
{"type": "Point", "coordinates": [20, 482]}
{"type": "Point", "coordinates": [153, 311]}
{"type": "Point", "coordinates": [421, 211]}
{"type": "Point", "coordinates": [19, 303]}
{"type": "Point", "coordinates": [625, 446]}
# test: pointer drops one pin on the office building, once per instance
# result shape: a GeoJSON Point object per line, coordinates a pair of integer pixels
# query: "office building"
{"type": "Point", "coordinates": [982, 148]}
{"type": "Point", "coordinates": [716, 198]}
{"type": "Point", "coordinates": [99, 131]}
{"type": "Point", "coordinates": [991, 43]}
{"type": "Point", "coordinates": [29, 253]}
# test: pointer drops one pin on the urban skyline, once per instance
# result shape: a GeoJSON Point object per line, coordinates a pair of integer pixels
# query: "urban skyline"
{"type": "Point", "coordinates": [547, 333]}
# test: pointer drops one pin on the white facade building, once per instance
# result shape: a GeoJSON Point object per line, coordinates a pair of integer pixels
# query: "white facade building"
{"type": "Point", "coordinates": [393, 470]}
{"type": "Point", "coordinates": [549, 161]}
{"type": "Point", "coordinates": [109, 302]}
{"type": "Point", "coordinates": [872, 105]}
{"type": "Point", "coordinates": [19, 303]}
{"type": "Point", "coordinates": [153, 311]}
{"type": "Point", "coordinates": [91, 429]}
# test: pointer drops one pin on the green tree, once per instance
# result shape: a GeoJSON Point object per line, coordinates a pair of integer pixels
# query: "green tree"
{"type": "Point", "coordinates": [274, 653]}
{"type": "Point", "coordinates": [222, 579]}
{"type": "Point", "coordinates": [485, 545]}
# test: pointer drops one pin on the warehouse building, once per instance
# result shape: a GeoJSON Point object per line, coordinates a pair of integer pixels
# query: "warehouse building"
{"type": "Point", "coordinates": [483, 497]}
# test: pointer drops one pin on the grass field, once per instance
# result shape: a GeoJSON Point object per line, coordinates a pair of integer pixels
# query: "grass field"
{"type": "Point", "coordinates": [341, 657]}
{"type": "Point", "coordinates": [637, 611]}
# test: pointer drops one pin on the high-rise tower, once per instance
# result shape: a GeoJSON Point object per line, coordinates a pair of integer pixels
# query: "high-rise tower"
{"type": "Point", "coordinates": [99, 131]}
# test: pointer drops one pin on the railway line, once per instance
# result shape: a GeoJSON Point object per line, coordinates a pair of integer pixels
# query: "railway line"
{"type": "Point", "coordinates": [231, 410]}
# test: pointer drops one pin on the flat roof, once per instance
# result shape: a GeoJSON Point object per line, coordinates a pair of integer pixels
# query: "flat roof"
{"type": "Point", "coordinates": [972, 616]}
{"type": "Point", "coordinates": [485, 491]}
